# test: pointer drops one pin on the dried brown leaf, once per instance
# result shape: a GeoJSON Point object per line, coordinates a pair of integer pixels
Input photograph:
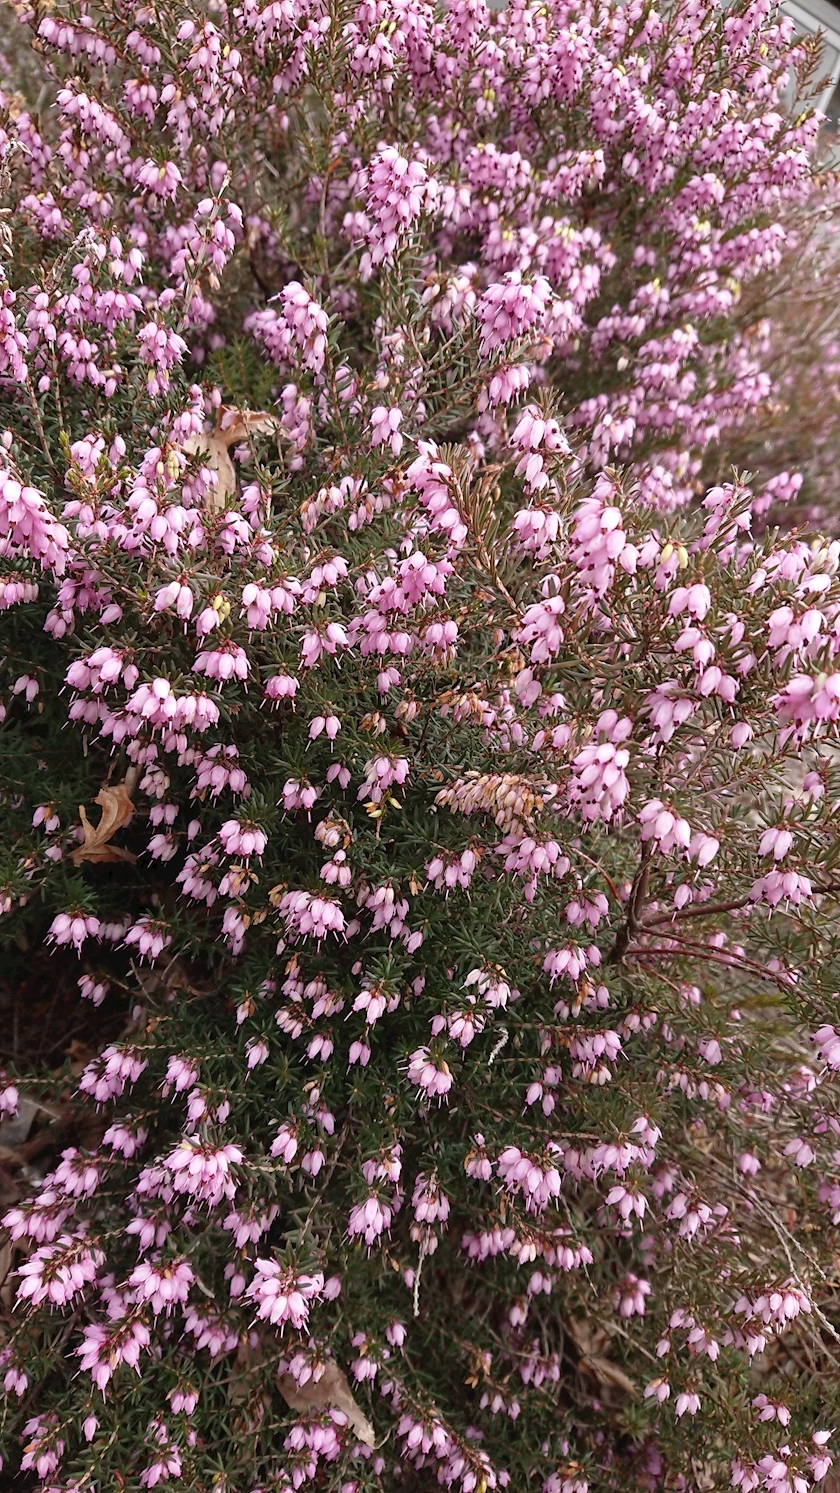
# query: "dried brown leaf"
{"type": "Point", "coordinates": [586, 1336]}
{"type": "Point", "coordinates": [80, 1054]}
{"type": "Point", "coordinates": [7, 1287]}
{"type": "Point", "coordinates": [241, 1379]}
{"type": "Point", "coordinates": [117, 808]}
{"type": "Point", "coordinates": [608, 1373]}
{"type": "Point", "coordinates": [332, 1389]}
{"type": "Point", "coordinates": [15, 1129]}
{"type": "Point", "coordinates": [232, 426]}
{"type": "Point", "coordinates": [590, 1341]}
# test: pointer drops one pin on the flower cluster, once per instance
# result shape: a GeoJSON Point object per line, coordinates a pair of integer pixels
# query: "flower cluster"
{"type": "Point", "coordinates": [462, 864]}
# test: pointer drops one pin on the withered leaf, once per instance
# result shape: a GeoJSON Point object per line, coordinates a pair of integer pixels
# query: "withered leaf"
{"type": "Point", "coordinates": [7, 1289]}
{"type": "Point", "coordinates": [590, 1341]}
{"type": "Point", "coordinates": [608, 1373]}
{"type": "Point", "coordinates": [585, 1335]}
{"type": "Point", "coordinates": [232, 426]}
{"type": "Point", "coordinates": [80, 1054]}
{"type": "Point", "coordinates": [117, 808]}
{"type": "Point", "coordinates": [241, 1380]}
{"type": "Point", "coordinates": [15, 1128]}
{"type": "Point", "coordinates": [331, 1390]}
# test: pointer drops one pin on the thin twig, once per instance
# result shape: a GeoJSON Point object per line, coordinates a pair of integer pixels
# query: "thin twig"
{"type": "Point", "coordinates": [417, 1274]}
{"type": "Point", "coordinates": [713, 955]}
{"type": "Point", "coordinates": [703, 910]}
{"type": "Point", "coordinates": [631, 925]}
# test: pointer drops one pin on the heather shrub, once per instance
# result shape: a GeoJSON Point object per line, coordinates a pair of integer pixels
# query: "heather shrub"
{"type": "Point", "coordinates": [786, 316]}
{"type": "Point", "coordinates": [445, 804]}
